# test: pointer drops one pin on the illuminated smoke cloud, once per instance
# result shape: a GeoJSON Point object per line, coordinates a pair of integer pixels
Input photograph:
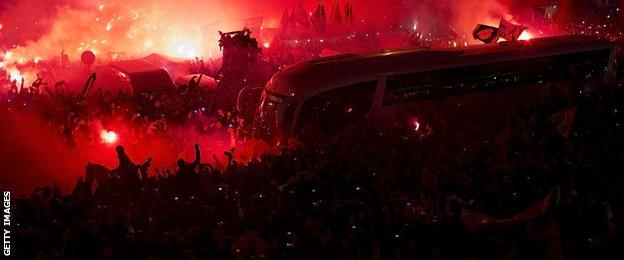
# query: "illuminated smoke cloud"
{"type": "Point", "coordinates": [187, 28]}
{"type": "Point", "coordinates": [117, 29]}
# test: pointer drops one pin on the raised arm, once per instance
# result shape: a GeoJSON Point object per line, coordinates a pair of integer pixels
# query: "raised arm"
{"type": "Point", "coordinates": [197, 155]}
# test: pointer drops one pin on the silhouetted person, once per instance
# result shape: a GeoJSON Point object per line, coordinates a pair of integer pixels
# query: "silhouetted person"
{"type": "Point", "coordinates": [34, 88]}
{"type": "Point", "coordinates": [22, 87]}
{"type": "Point", "coordinates": [14, 86]}
{"type": "Point", "coordinates": [127, 170]}
{"type": "Point", "coordinates": [59, 87]}
{"type": "Point", "coordinates": [187, 169]}
{"type": "Point", "coordinates": [192, 83]}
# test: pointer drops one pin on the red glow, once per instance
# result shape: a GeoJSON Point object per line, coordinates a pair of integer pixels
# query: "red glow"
{"type": "Point", "coordinates": [109, 137]}
{"type": "Point", "coordinates": [122, 75]}
{"type": "Point", "coordinates": [266, 45]}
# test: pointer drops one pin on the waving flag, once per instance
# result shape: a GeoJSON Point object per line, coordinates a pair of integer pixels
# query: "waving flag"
{"type": "Point", "coordinates": [336, 14]}
{"type": "Point", "coordinates": [348, 17]}
{"type": "Point", "coordinates": [253, 23]}
{"type": "Point", "coordinates": [285, 22]}
{"type": "Point", "coordinates": [299, 16]}
{"type": "Point", "coordinates": [475, 220]}
{"type": "Point", "coordinates": [509, 31]}
{"type": "Point", "coordinates": [485, 33]}
{"type": "Point", "coordinates": [319, 19]}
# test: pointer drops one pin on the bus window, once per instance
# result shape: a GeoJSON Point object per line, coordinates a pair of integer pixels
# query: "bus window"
{"type": "Point", "coordinates": [329, 112]}
{"type": "Point", "coordinates": [435, 84]}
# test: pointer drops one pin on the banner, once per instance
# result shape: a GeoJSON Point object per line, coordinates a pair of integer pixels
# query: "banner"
{"type": "Point", "coordinates": [506, 30]}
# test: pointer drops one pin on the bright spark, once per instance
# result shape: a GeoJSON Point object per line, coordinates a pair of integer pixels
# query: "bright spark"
{"type": "Point", "coordinates": [525, 36]}
{"type": "Point", "coordinates": [109, 137]}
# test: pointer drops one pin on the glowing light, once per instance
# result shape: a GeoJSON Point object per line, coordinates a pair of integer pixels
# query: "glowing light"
{"type": "Point", "coordinates": [108, 137]}
{"type": "Point", "coordinates": [123, 76]}
{"type": "Point", "coordinates": [525, 36]}
{"type": "Point", "coordinates": [14, 74]}
{"type": "Point", "coordinates": [109, 25]}
{"type": "Point", "coordinates": [415, 124]}
{"type": "Point", "coordinates": [108, 31]}
{"type": "Point", "coordinates": [266, 45]}
{"type": "Point", "coordinates": [190, 53]}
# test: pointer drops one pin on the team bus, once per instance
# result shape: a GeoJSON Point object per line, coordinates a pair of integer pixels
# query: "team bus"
{"type": "Point", "coordinates": [328, 94]}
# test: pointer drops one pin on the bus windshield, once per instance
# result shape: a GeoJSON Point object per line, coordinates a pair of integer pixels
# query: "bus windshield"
{"type": "Point", "coordinates": [265, 121]}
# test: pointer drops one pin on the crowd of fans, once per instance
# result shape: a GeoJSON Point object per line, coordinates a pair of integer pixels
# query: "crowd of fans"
{"type": "Point", "coordinates": [147, 112]}
{"type": "Point", "coordinates": [379, 190]}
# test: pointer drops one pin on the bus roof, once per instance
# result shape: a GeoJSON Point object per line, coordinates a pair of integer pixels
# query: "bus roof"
{"type": "Point", "coordinates": [304, 77]}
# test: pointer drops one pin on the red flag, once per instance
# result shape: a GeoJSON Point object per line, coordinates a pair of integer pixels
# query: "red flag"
{"type": "Point", "coordinates": [336, 14]}
{"type": "Point", "coordinates": [253, 23]}
{"type": "Point", "coordinates": [348, 17]}
{"type": "Point", "coordinates": [299, 16]}
{"type": "Point", "coordinates": [509, 31]}
{"type": "Point", "coordinates": [536, 209]}
{"type": "Point", "coordinates": [531, 212]}
{"type": "Point", "coordinates": [475, 220]}
{"type": "Point", "coordinates": [285, 22]}
{"type": "Point", "coordinates": [319, 19]}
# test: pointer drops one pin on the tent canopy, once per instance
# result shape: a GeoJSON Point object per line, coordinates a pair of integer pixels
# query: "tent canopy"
{"type": "Point", "coordinates": [143, 75]}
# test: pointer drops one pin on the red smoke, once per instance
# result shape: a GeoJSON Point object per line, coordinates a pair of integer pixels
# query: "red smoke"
{"type": "Point", "coordinates": [32, 151]}
{"type": "Point", "coordinates": [34, 154]}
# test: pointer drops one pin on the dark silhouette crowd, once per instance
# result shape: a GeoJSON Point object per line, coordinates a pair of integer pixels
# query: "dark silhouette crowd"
{"type": "Point", "coordinates": [382, 189]}
{"type": "Point", "coordinates": [524, 173]}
